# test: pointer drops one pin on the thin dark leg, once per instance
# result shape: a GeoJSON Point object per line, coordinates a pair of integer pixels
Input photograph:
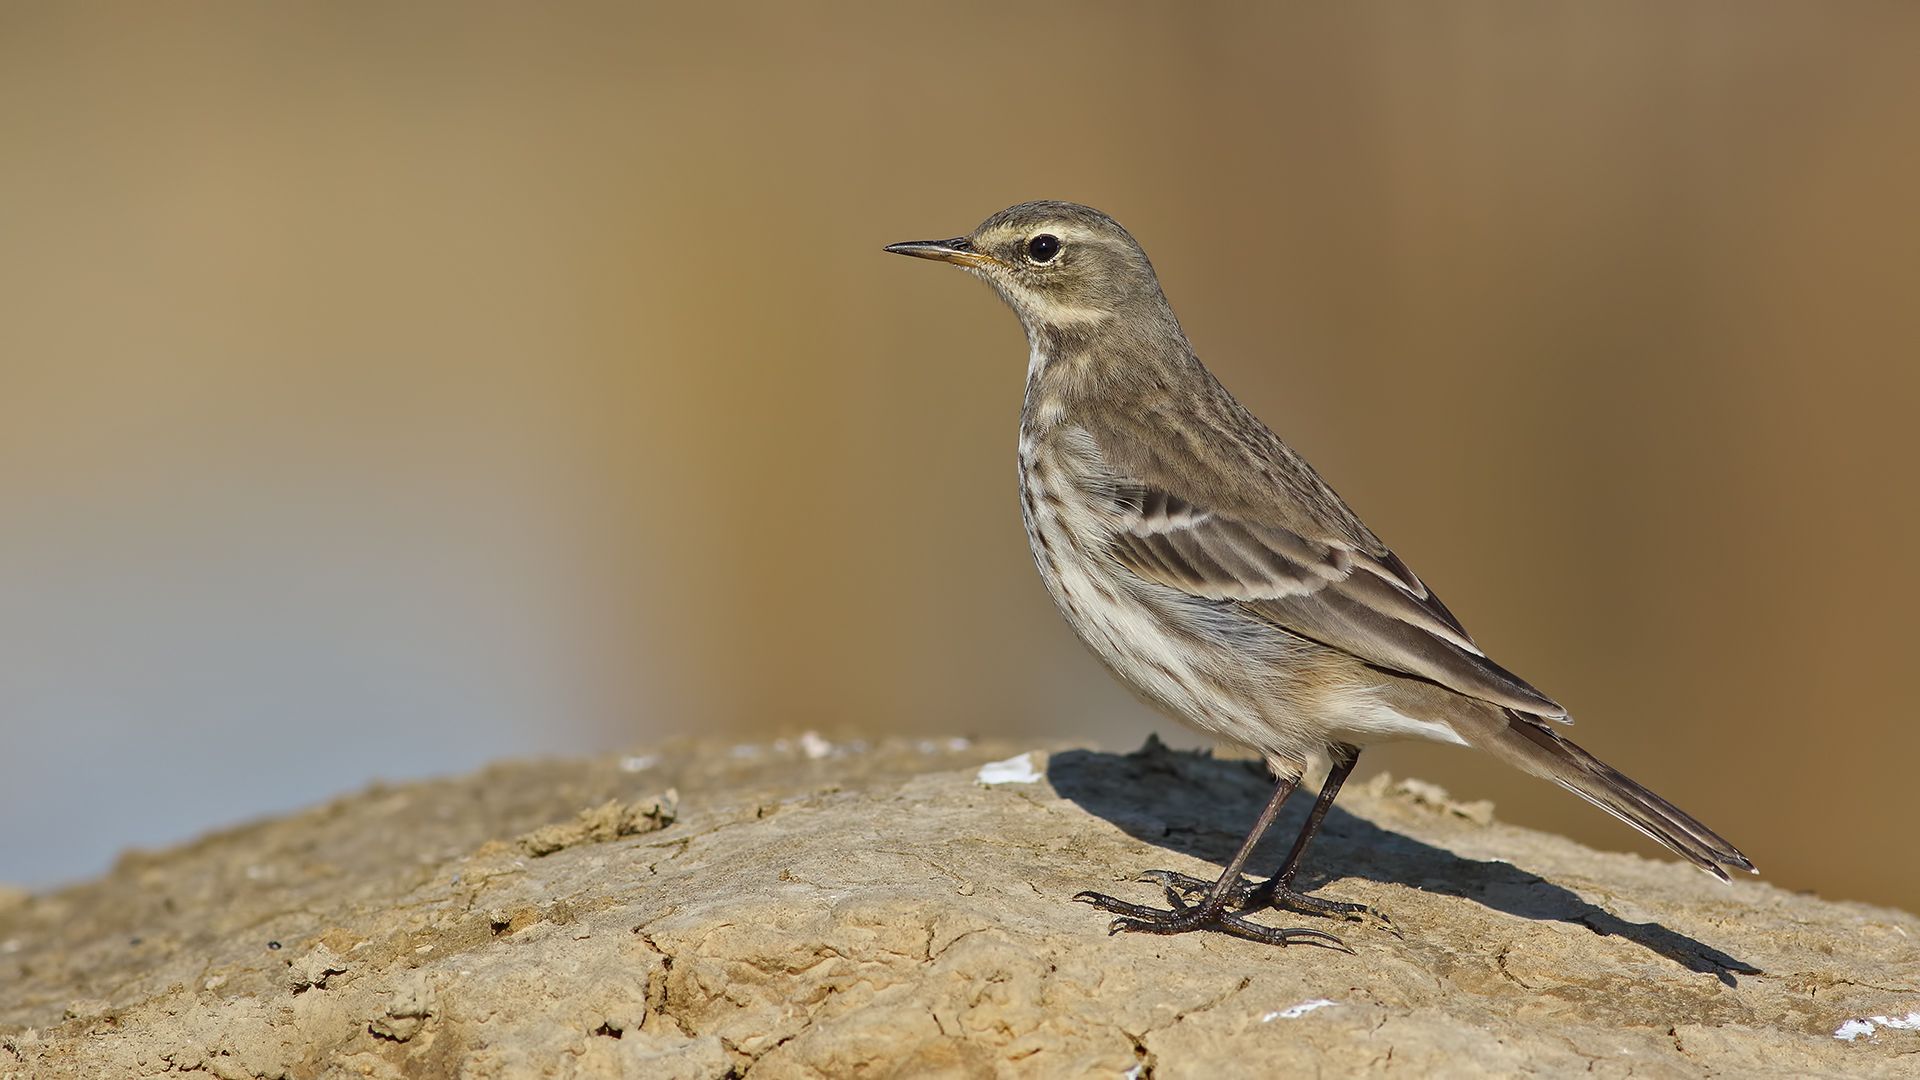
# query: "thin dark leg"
{"type": "Point", "coordinates": [1278, 891]}
{"type": "Point", "coordinates": [1329, 791]}
{"type": "Point", "coordinates": [1210, 913]}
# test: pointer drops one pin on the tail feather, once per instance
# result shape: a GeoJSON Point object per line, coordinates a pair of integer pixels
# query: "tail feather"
{"type": "Point", "coordinates": [1537, 750]}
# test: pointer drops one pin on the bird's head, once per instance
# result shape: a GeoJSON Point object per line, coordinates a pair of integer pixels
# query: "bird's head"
{"type": "Point", "coordinates": [1057, 264]}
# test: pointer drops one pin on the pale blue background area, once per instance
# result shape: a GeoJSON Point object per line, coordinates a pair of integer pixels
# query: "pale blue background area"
{"type": "Point", "coordinates": [192, 655]}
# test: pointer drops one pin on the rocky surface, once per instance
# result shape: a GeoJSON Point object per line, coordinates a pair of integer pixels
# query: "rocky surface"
{"type": "Point", "coordinates": [803, 911]}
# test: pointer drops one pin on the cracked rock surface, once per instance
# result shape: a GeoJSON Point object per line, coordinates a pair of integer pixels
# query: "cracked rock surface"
{"type": "Point", "coordinates": [703, 913]}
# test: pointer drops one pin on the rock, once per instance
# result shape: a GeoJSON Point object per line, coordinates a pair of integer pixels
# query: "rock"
{"type": "Point", "coordinates": [609, 821]}
{"type": "Point", "coordinates": [407, 1009]}
{"type": "Point", "coordinates": [314, 969]}
{"type": "Point", "coordinates": [816, 913]}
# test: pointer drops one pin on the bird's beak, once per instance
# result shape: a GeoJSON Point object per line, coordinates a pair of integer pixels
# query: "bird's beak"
{"type": "Point", "coordinates": [959, 250]}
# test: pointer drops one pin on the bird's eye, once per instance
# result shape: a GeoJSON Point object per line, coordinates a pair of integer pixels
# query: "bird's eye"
{"type": "Point", "coordinates": [1043, 248]}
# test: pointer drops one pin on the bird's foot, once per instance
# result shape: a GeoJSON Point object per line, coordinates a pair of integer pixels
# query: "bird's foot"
{"type": "Point", "coordinates": [1185, 918]}
{"type": "Point", "coordinates": [1287, 898]}
{"type": "Point", "coordinates": [1246, 895]}
{"type": "Point", "coordinates": [1183, 890]}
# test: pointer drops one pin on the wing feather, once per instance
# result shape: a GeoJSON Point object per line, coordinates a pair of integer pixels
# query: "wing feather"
{"type": "Point", "coordinates": [1329, 590]}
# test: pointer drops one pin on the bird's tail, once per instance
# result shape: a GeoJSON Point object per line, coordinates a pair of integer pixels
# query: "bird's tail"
{"type": "Point", "coordinates": [1535, 749]}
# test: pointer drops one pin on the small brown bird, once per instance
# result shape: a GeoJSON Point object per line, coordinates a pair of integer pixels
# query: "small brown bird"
{"type": "Point", "coordinates": [1224, 582]}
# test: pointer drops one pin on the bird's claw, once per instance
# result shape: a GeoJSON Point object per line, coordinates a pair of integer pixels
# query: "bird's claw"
{"type": "Point", "coordinates": [1183, 891]}
{"type": "Point", "coordinates": [1136, 919]}
{"type": "Point", "coordinates": [1180, 887]}
{"type": "Point", "coordinates": [1313, 905]}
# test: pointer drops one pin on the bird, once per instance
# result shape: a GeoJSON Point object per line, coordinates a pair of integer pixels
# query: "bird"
{"type": "Point", "coordinates": [1213, 571]}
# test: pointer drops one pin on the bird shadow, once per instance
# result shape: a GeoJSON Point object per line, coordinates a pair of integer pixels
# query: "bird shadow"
{"type": "Point", "coordinates": [1192, 803]}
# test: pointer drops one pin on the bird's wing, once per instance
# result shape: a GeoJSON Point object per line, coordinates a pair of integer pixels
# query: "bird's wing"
{"type": "Point", "coordinates": [1346, 592]}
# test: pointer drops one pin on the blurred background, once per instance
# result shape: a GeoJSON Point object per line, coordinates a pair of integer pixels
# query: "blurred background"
{"type": "Point", "coordinates": [388, 388]}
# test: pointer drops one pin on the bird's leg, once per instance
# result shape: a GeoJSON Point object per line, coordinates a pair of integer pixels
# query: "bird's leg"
{"type": "Point", "coordinates": [1278, 891]}
{"type": "Point", "coordinates": [1210, 913]}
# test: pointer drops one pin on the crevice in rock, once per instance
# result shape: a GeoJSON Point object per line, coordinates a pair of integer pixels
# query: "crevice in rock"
{"type": "Point", "coordinates": [958, 938]}
{"type": "Point", "coordinates": [1143, 1057]}
{"type": "Point", "coordinates": [1500, 964]}
{"type": "Point", "coordinates": [1216, 1001]}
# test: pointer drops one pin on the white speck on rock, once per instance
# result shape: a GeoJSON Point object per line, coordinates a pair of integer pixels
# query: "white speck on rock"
{"type": "Point", "coordinates": [815, 747]}
{"type": "Point", "coordinates": [1295, 1012]}
{"type": "Point", "coordinates": [1014, 770]}
{"type": "Point", "coordinates": [1853, 1029]}
{"type": "Point", "coordinates": [639, 764]}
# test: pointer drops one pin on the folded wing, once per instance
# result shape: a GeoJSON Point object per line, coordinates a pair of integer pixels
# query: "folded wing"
{"type": "Point", "coordinates": [1328, 589]}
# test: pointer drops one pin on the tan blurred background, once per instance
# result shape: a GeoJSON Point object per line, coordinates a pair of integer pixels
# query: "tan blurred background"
{"type": "Point", "coordinates": [384, 388]}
